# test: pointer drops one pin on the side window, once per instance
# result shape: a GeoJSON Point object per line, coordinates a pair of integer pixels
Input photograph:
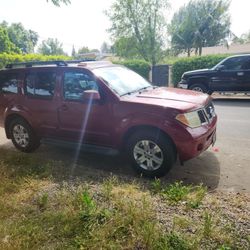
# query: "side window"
{"type": "Point", "coordinates": [8, 84]}
{"type": "Point", "coordinates": [246, 65]}
{"type": "Point", "coordinates": [41, 84]}
{"type": "Point", "coordinates": [234, 63]}
{"type": "Point", "coordinates": [75, 83]}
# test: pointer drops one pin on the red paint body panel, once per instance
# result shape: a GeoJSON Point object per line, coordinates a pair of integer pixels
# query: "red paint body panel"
{"type": "Point", "coordinates": [106, 123]}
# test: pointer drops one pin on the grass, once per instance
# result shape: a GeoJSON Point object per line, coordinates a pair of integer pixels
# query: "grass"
{"type": "Point", "coordinates": [39, 212]}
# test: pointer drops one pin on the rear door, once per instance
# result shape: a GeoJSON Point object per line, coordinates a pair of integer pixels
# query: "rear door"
{"type": "Point", "coordinates": [40, 100]}
{"type": "Point", "coordinates": [82, 120]}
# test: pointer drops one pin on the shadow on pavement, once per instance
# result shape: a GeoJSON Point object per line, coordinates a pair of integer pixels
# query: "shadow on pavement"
{"type": "Point", "coordinates": [92, 167]}
{"type": "Point", "coordinates": [203, 169]}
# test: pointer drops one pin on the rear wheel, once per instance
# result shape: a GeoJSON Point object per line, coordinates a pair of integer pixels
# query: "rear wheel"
{"type": "Point", "coordinates": [199, 88]}
{"type": "Point", "coordinates": [151, 153]}
{"type": "Point", "coordinates": [23, 136]}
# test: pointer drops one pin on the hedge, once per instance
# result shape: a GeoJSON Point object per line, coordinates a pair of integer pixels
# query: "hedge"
{"type": "Point", "coordinates": [11, 58]}
{"type": "Point", "coordinates": [193, 63]}
{"type": "Point", "coordinates": [140, 66]}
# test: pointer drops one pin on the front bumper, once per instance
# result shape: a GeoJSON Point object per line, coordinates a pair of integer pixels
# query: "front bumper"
{"type": "Point", "coordinates": [197, 141]}
{"type": "Point", "coordinates": [182, 84]}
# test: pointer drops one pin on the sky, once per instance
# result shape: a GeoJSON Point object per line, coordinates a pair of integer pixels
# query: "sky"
{"type": "Point", "coordinates": [83, 23]}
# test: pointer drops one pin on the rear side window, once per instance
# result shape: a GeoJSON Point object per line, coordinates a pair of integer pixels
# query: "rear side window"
{"type": "Point", "coordinates": [8, 84]}
{"type": "Point", "coordinates": [40, 84]}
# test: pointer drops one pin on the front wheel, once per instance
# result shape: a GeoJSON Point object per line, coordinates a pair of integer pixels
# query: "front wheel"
{"type": "Point", "coordinates": [151, 153]}
{"type": "Point", "coordinates": [23, 136]}
{"type": "Point", "coordinates": [199, 88]}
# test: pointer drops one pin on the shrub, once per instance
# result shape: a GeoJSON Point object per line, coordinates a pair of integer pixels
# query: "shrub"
{"type": "Point", "coordinates": [140, 66]}
{"type": "Point", "coordinates": [192, 63]}
{"type": "Point", "coordinates": [12, 58]}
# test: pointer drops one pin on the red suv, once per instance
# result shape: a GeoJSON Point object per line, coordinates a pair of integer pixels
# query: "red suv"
{"type": "Point", "coordinates": [107, 107]}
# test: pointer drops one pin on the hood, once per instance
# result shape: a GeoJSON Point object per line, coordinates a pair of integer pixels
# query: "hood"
{"type": "Point", "coordinates": [196, 72]}
{"type": "Point", "coordinates": [171, 97]}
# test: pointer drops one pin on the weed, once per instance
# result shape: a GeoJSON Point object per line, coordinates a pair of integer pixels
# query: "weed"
{"type": "Point", "coordinates": [175, 241]}
{"type": "Point", "coordinates": [208, 225]}
{"type": "Point", "coordinates": [176, 192]}
{"type": "Point", "coordinates": [42, 201]}
{"type": "Point", "coordinates": [156, 186]}
{"type": "Point", "coordinates": [108, 185]}
{"type": "Point", "coordinates": [195, 197]}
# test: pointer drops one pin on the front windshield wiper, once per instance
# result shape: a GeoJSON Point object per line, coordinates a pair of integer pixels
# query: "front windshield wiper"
{"type": "Point", "coordinates": [139, 90]}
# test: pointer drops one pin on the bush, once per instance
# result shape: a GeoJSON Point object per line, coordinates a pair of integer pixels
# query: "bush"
{"type": "Point", "coordinates": [140, 66]}
{"type": "Point", "coordinates": [193, 63]}
{"type": "Point", "coordinates": [12, 58]}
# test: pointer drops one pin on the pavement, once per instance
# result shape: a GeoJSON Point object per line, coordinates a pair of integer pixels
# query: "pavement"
{"type": "Point", "coordinates": [226, 166]}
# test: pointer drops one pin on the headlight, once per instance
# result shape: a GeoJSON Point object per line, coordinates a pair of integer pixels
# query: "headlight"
{"type": "Point", "coordinates": [190, 119]}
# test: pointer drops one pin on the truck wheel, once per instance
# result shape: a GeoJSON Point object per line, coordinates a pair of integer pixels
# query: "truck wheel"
{"type": "Point", "coordinates": [23, 136]}
{"type": "Point", "coordinates": [199, 88]}
{"type": "Point", "coordinates": [151, 153]}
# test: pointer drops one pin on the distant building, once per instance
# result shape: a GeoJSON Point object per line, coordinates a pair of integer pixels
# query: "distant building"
{"type": "Point", "coordinates": [232, 49]}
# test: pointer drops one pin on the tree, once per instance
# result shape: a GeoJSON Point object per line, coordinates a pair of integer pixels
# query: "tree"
{"type": "Point", "coordinates": [243, 39]}
{"type": "Point", "coordinates": [125, 47]}
{"type": "Point", "coordinates": [58, 2]}
{"type": "Point", "coordinates": [200, 23]}
{"type": "Point", "coordinates": [105, 48]}
{"type": "Point", "coordinates": [144, 21]}
{"type": "Point", "coordinates": [73, 53]}
{"type": "Point", "coordinates": [5, 43]}
{"type": "Point", "coordinates": [51, 47]}
{"type": "Point", "coordinates": [24, 39]}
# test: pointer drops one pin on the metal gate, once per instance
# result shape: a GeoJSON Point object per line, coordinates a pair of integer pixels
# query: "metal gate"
{"type": "Point", "coordinates": [160, 75]}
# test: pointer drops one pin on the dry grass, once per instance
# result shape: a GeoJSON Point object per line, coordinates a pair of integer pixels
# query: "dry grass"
{"type": "Point", "coordinates": [39, 212]}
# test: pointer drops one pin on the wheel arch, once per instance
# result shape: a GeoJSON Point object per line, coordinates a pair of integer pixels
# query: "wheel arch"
{"type": "Point", "coordinates": [198, 80]}
{"type": "Point", "coordinates": [8, 121]}
{"type": "Point", "coordinates": [134, 129]}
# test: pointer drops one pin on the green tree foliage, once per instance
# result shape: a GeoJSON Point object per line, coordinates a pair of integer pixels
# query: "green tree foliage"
{"type": "Point", "coordinates": [59, 2]}
{"type": "Point", "coordinates": [11, 58]}
{"type": "Point", "coordinates": [51, 46]}
{"type": "Point", "coordinates": [5, 44]}
{"type": "Point", "coordinates": [23, 39]}
{"type": "Point", "coordinates": [144, 21]}
{"type": "Point", "coordinates": [200, 23]}
{"type": "Point", "coordinates": [125, 47]}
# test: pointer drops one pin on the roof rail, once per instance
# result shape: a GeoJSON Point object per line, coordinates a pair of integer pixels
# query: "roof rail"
{"type": "Point", "coordinates": [34, 63]}
{"type": "Point", "coordinates": [80, 60]}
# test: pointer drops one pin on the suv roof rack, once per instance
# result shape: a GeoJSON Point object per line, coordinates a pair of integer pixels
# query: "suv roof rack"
{"type": "Point", "coordinates": [58, 63]}
{"type": "Point", "coordinates": [33, 63]}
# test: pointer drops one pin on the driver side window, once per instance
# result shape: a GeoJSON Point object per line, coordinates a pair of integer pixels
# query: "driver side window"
{"type": "Point", "coordinates": [75, 83]}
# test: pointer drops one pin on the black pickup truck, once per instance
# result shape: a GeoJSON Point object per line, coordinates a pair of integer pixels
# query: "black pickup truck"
{"type": "Point", "coordinates": [230, 75]}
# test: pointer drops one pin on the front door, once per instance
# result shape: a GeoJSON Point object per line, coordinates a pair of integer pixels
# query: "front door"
{"type": "Point", "coordinates": [232, 77]}
{"type": "Point", "coordinates": [83, 121]}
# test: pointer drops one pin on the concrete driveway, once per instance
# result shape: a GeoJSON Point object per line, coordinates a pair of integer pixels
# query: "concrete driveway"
{"type": "Point", "coordinates": [224, 167]}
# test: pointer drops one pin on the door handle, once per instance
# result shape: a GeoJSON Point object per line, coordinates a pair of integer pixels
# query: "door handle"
{"type": "Point", "coordinates": [240, 73]}
{"type": "Point", "coordinates": [64, 107]}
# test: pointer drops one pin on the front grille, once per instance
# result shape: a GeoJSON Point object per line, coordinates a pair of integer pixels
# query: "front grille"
{"type": "Point", "coordinates": [209, 111]}
{"type": "Point", "coordinates": [202, 116]}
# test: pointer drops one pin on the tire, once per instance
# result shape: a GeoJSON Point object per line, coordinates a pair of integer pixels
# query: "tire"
{"type": "Point", "coordinates": [151, 153]}
{"type": "Point", "coordinates": [23, 136]}
{"type": "Point", "coordinates": [199, 88]}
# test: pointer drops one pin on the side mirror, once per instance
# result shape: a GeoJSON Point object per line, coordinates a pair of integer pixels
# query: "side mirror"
{"type": "Point", "coordinates": [92, 95]}
{"type": "Point", "coordinates": [220, 67]}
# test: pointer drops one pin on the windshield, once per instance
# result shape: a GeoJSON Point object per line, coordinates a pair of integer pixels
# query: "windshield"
{"type": "Point", "coordinates": [122, 80]}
